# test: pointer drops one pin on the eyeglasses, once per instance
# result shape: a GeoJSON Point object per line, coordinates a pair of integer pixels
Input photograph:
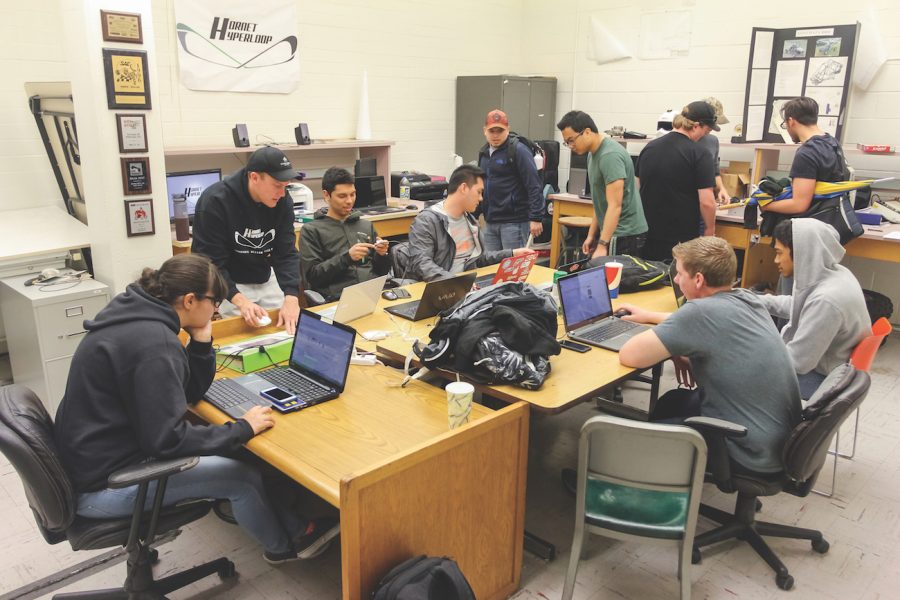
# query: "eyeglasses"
{"type": "Point", "coordinates": [571, 141]}
{"type": "Point", "coordinates": [784, 123]}
{"type": "Point", "coordinates": [216, 303]}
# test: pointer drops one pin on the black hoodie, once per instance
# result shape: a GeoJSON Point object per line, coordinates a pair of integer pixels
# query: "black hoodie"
{"type": "Point", "coordinates": [129, 386]}
{"type": "Point", "coordinates": [245, 238]}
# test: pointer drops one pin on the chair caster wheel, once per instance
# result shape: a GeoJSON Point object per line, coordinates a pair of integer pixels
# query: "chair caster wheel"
{"type": "Point", "coordinates": [227, 571]}
{"type": "Point", "coordinates": [695, 556]}
{"type": "Point", "coordinates": [758, 505]}
{"type": "Point", "coordinates": [785, 581]}
{"type": "Point", "coordinates": [821, 546]}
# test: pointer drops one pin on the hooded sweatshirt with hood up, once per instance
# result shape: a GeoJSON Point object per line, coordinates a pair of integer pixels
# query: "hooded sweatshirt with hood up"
{"type": "Point", "coordinates": [129, 386]}
{"type": "Point", "coordinates": [827, 311]}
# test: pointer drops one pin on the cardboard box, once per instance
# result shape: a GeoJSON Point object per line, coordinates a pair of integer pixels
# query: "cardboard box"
{"type": "Point", "coordinates": [736, 178]}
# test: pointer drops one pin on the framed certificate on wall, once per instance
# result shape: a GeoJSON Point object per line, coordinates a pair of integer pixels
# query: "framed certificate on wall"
{"type": "Point", "coordinates": [132, 131]}
{"type": "Point", "coordinates": [121, 27]}
{"type": "Point", "coordinates": [127, 84]}
{"type": "Point", "coordinates": [139, 217]}
{"type": "Point", "coordinates": [136, 175]}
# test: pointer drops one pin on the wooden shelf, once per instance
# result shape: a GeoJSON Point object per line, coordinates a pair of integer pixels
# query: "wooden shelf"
{"type": "Point", "coordinates": [344, 144]}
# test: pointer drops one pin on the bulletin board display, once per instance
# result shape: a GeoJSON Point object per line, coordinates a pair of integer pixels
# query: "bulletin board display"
{"type": "Point", "coordinates": [787, 63]}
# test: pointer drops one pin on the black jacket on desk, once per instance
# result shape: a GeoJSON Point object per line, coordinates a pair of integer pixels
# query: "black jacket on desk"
{"type": "Point", "coordinates": [327, 268]}
{"type": "Point", "coordinates": [129, 386]}
{"type": "Point", "coordinates": [245, 238]}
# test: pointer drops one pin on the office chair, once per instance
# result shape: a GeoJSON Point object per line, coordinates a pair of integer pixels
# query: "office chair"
{"type": "Point", "coordinates": [638, 481]}
{"type": "Point", "coordinates": [803, 456]}
{"type": "Point", "coordinates": [26, 438]}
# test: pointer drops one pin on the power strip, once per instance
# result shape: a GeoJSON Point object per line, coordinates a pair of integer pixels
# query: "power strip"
{"type": "Point", "coordinates": [368, 360]}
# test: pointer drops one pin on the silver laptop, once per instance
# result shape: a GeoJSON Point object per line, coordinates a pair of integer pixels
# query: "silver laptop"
{"type": "Point", "coordinates": [356, 301]}
{"type": "Point", "coordinates": [588, 313]}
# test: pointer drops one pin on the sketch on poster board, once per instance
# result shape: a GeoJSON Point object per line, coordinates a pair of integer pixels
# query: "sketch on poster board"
{"type": "Point", "coordinates": [828, 72]}
{"type": "Point", "coordinates": [828, 98]}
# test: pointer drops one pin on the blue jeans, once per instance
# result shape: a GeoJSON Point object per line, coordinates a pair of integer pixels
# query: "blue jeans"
{"type": "Point", "coordinates": [213, 477]}
{"type": "Point", "coordinates": [505, 236]}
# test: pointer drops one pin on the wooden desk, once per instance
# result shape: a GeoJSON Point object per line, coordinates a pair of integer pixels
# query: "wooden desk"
{"type": "Point", "coordinates": [404, 483]}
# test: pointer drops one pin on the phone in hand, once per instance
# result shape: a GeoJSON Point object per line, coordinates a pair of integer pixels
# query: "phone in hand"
{"type": "Point", "coordinates": [282, 400]}
{"type": "Point", "coordinates": [574, 346]}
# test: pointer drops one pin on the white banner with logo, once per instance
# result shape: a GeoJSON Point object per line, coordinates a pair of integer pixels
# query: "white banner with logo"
{"type": "Point", "coordinates": [238, 46]}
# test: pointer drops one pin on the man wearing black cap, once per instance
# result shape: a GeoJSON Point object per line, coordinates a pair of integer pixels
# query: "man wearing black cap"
{"type": "Point", "coordinates": [245, 225]}
{"type": "Point", "coordinates": [676, 182]}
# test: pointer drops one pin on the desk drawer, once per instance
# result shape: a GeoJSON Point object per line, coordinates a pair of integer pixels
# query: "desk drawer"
{"type": "Point", "coordinates": [60, 328]}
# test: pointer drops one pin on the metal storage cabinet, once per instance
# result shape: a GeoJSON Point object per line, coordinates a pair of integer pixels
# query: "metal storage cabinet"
{"type": "Point", "coordinates": [530, 103]}
{"type": "Point", "coordinates": [43, 328]}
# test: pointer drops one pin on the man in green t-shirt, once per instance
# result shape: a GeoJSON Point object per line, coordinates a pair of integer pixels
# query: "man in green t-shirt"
{"type": "Point", "coordinates": [618, 225]}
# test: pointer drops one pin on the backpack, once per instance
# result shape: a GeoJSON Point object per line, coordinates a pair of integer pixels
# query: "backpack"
{"type": "Point", "coordinates": [638, 274]}
{"type": "Point", "coordinates": [424, 578]}
{"type": "Point", "coordinates": [514, 140]}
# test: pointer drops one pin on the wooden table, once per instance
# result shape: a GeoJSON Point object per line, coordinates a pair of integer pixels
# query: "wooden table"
{"type": "Point", "coordinates": [404, 482]}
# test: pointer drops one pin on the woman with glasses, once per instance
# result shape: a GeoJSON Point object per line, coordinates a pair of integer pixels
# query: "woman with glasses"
{"type": "Point", "coordinates": [129, 385]}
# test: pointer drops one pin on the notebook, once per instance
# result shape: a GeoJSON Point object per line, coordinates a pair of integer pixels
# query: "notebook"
{"type": "Point", "coordinates": [356, 301]}
{"type": "Point", "coordinates": [438, 296]}
{"type": "Point", "coordinates": [588, 313]}
{"type": "Point", "coordinates": [317, 371]}
{"type": "Point", "coordinates": [512, 268]}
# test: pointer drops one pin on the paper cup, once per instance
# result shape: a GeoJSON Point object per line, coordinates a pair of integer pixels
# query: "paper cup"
{"type": "Point", "coordinates": [459, 402]}
{"type": "Point", "coordinates": [613, 277]}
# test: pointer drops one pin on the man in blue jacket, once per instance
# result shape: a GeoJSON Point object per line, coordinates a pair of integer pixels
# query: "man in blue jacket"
{"type": "Point", "coordinates": [513, 197]}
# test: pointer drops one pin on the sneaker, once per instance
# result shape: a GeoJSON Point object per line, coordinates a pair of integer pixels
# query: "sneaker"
{"type": "Point", "coordinates": [317, 538]}
{"type": "Point", "coordinates": [279, 558]}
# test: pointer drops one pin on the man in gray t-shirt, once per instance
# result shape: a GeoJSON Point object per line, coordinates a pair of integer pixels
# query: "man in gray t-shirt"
{"type": "Point", "coordinates": [724, 340]}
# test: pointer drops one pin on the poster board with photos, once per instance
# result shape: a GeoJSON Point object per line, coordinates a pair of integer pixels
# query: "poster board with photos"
{"type": "Point", "coordinates": [799, 61]}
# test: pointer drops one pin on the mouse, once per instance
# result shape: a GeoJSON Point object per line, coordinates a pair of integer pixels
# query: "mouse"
{"type": "Point", "coordinates": [389, 295]}
{"type": "Point", "coordinates": [412, 207]}
{"type": "Point", "coordinates": [622, 312]}
{"type": "Point", "coordinates": [374, 335]}
{"type": "Point", "coordinates": [264, 321]}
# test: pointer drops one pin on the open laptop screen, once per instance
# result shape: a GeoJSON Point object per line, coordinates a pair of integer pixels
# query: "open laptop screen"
{"type": "Point", "coordinates": [322, 349]}
{"type": "Point", "coordinates": [679, 295]}
{"type": "Point", "coordinates": [585, 297]}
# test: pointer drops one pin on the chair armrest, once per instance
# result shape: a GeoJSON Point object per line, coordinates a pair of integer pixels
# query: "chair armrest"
{"type": "Point", "coordinates": [313, 298]}
{"type": "Point", "coordinates": [149, 471]}
{"type": "Point", "coordinates": [718, 463]}
{"type": "Point", "coordinates": [716, 426]}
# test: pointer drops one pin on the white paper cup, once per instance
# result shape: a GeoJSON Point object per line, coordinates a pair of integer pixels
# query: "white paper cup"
{"type": "Point", "coordinates": [459, 402]}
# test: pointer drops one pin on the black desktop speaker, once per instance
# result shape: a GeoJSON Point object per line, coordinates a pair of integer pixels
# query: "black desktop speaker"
{"type": "Point", "coordinates": [301, 132]}
{"type": "Point", "coordinates": [240, 135]}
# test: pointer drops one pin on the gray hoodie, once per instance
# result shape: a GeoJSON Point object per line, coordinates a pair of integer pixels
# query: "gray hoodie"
{"type": "Point", "coordinates": [827, 312]}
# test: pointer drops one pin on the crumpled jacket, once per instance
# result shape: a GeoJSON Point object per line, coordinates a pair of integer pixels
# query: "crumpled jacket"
{"type": "Point", "coordinates": [504, 333]}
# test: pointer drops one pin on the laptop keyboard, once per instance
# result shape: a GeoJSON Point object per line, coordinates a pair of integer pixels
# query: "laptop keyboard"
{"type": "Point", "coordinates": [485, 280]}
{"type": "Point", "coordinates": [296, 384]}
{"type": "Point", "coordinates": [408, 310]}
{"type": "Point", "coordinates": [380, 210]}
{"type": "Point", "coordinates": [225, 395]}
{"type": "Point", "coordinates": [607, 330]}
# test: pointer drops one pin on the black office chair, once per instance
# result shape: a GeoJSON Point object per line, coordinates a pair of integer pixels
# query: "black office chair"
{"type": "Point", "coordinates": [803, 456]}
{"type": "Point", "coordinates": [26, 438]}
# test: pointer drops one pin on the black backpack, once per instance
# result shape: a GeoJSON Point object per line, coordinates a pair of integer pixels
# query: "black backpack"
{"type": "Point", "coordinates": [424, 578]}
{"type": "Point", "coordinates": [638, 274]}
{"type": "Point", "coordinates": [514, 140]}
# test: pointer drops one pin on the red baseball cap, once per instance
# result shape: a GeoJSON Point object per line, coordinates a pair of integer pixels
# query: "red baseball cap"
{"type": "Point", "coordinates": [496, 118]}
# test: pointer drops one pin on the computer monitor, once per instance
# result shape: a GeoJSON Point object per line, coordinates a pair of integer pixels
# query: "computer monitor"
{"type": "Point", "coordinates": [191, 184]}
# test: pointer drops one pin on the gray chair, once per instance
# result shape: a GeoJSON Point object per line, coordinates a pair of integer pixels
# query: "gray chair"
{"type": "Point", "coordinates": [638, 481]}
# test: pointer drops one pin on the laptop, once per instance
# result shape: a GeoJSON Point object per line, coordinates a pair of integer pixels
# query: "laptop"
{"type": "Point", "coordinates": [512, 268]}
{"type": "Point", "coordinates": [676, 289]}
{"type": "Point", "coordinates": [588, 313]}
{"type": "Point", "coordinates": [356, 301]}
{"type": "Point", "coordinates": [317, 371]}
{"type": "Point", "coordinates": [438, 296]}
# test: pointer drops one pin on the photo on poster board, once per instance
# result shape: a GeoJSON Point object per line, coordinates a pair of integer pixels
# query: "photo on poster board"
{"type": "Point", "coordinates": [139, 217]}
{"type": "Point", "coordinates": [789, 78]}
{"type": "Point", "coordinates": [794, 49]}
{"type": "Point", "coordinates": [828, 46]}
{"type": "Point", "coordinates": [828, 99]}
{"type": "Point", "coordinates": [827, 72]}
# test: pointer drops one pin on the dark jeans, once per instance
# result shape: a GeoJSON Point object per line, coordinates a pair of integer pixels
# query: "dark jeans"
{"type": "Point", "coordinates": [627, 244]}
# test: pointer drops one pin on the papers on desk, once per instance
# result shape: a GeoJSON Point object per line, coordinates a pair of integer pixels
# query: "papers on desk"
{"type": "Point", "coordinates": [892, 235]}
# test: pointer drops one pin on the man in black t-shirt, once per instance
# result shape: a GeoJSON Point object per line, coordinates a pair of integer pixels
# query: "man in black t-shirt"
{"type": "Point", "coordinates": [819, 158]}
{"type": "Point", "coordinates": [676, 182]}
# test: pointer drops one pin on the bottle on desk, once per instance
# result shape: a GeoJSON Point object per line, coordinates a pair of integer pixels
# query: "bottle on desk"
{"type": "Point", "coordinates": [180, 215]}
{"type": "Point", "coordinates": [404, 188]}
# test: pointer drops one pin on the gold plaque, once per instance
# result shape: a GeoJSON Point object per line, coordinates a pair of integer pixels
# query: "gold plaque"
{"type": "Point", "coordinates": [127, 85]}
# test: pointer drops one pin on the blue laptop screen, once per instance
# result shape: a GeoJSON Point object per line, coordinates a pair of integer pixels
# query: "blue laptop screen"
{"type": "Point", "coordinates": [322, 349]}
{"type": "Point", "coordinates": [584, 297]}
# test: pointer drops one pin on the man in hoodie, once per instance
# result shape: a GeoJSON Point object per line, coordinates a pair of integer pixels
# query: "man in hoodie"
{"type": "Point", "coordinates": [245, 225]}
{"type": "Point", "coordinates": [444, 238]}
{"type": "Point", "coordinates": [826, 312]}
{"type": "Point", "coordinates": [338, 248]}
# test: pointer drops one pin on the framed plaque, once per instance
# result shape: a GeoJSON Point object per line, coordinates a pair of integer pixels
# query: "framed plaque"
{"type": "Point", "coordinates": [127, 85]}
{"type": "Point", "coordinates": [139, 217]}
{"type": "Point", "coordinates": [132, 130]}
{"type": "Point", "coordinates": [136, 175]}
{"type": "Point", "coordinates": [121, 27]}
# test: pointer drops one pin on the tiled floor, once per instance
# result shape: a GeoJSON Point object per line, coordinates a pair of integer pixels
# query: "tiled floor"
{"type": "Point", "coordinates": [862, 523]}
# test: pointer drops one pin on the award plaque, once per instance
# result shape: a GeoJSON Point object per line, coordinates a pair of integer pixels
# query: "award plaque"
{"type": "Point", "coordinates": [136, 175]}
{"type": "Point", "coordinates": [132, 130]}
{"type": "Point", "coordinates": [121, 27]}
{"type": "Point", "coordinates": [127, 85]}
{"type": "Point", "coordinates": [139, 217]}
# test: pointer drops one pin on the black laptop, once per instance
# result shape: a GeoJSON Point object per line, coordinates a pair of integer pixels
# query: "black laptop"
{"type": "Point", "coordinates": [588, 313]}
{"type": "Point", "coordinates": [438, 296]}
{"type": "Point", "coordinates": [317, 371]}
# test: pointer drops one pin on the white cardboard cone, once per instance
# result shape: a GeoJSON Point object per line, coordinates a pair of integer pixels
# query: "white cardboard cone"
{"type": "Point", "coordinates": [363, 123]}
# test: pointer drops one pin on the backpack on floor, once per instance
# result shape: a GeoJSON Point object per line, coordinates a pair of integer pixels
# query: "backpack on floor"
{"type": "Point", "coordinates": [424, 578]}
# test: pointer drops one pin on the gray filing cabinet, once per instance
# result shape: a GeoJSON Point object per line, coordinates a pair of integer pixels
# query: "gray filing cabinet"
{"type": "Point", "coordinates": [43, 328]}
{"type": "Point", "coordinates": [529, 102]}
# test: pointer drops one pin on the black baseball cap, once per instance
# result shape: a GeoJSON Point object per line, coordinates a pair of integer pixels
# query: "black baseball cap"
{"type": "Point", "coordinates": [702, 112]}
{"type": "Point", "coordinates": [271, 160]}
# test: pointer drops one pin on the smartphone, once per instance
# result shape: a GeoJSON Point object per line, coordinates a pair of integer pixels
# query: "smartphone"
{"type": "Point", "coordinates": [574, 346]}
{"type": "Point", "coordinates": [282, 400]}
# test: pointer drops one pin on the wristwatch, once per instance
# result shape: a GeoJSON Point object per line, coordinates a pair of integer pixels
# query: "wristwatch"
{"type": "Point", "coordinates": [604, 243]}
